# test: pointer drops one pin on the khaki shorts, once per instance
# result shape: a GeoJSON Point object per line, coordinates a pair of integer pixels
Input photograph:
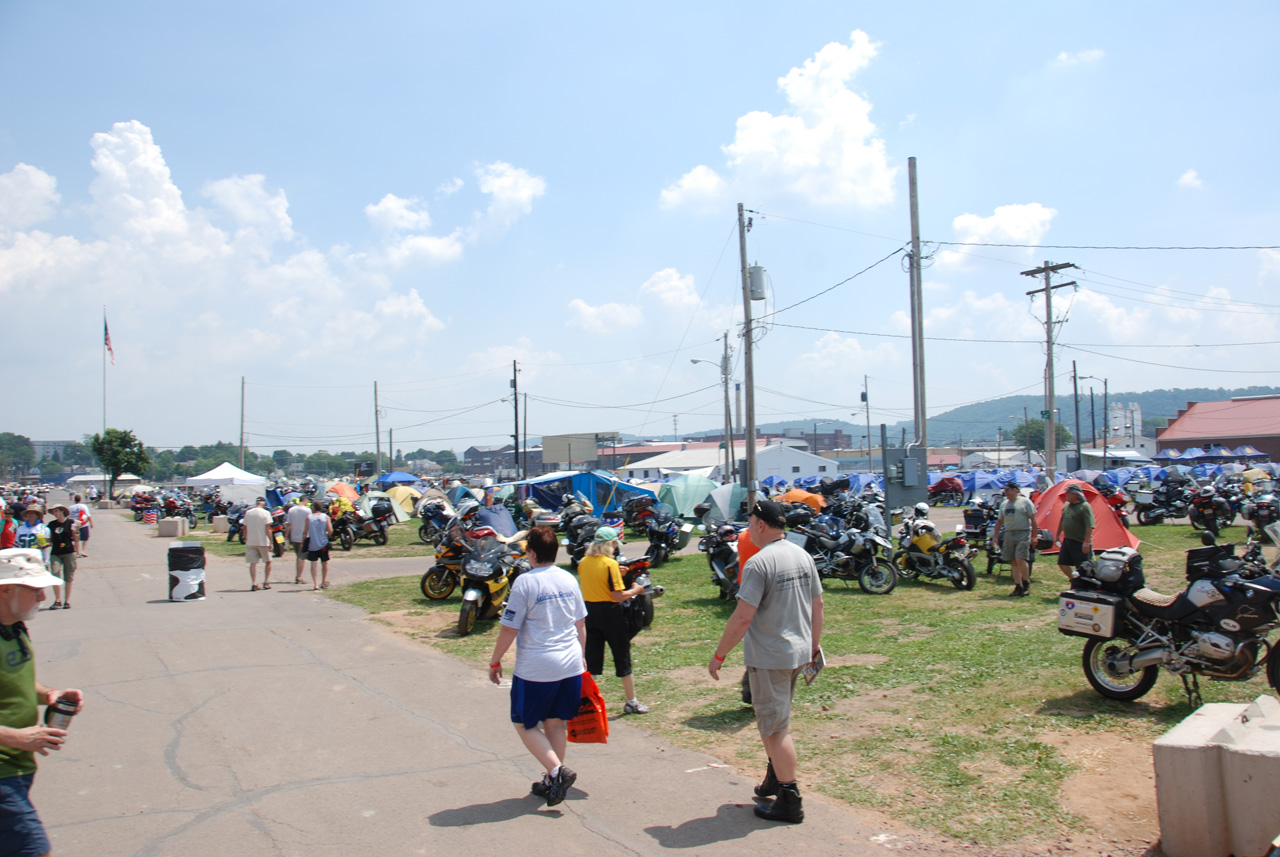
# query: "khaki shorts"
{"type": "Point", "coordinates": [254, 554]}
{"type": "Point", "coordinates": [299, 548]}
{"type": "Point", "coordinates": [63, 565]}
{"type": "Point", "coordinates": [771, 692]}
{"type": "Point", "coordinates": [1015, 546]}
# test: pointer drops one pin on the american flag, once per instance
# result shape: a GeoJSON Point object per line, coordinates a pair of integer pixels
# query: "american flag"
{"type": "Point", "coordinates": [106, 339]}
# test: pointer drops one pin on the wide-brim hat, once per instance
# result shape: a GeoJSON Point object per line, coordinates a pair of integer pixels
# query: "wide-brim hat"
{"type": "Point", "coordinates": [25, 566]}
{"type": "Point", "coordinates": [1075, 488]}
{"type": "Point", "coordinates": [55, 507]}
{"type": "Point", "coordinates": [34, 507]}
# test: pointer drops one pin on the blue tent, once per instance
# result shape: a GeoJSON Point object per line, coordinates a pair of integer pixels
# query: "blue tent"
{"type": "Point", "coordinates": [773, 481]}
{"type": "Point", "coordinates": [858, 482]}
{"type": "Point", "coordinates": [603, 489]}
{"type": "Point", "coordinates": [1167, 455]}
{"type": "Point", "coordinates": [808, 481]}
{"type": "Point", "coordinates": [398, 477]}
{"type": "Point", "coordinates": [1247, 451]}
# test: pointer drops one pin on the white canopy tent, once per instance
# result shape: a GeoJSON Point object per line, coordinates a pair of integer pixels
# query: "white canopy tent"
{"type": "Point", "coordinates": [226, 473]}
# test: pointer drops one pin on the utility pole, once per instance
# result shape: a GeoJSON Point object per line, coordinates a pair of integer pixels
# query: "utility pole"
{"type": "Point", "coordinates": [104, 430]}
{"type": "Point", "coordinates": [1093, 420]}
{"type": "Point", "coordinates": [391, 449]}
{"type": "Point", "coordinates": [866, 401]}
{"type": "Point", "coordinates": [748, 365]}
{"type": "Point", "coordinates": [917, 314]}
{"type": "Point", "coordinates": [730, 460]}
{"type": "Point", "coordinates": [377, 427]}
{"type": "Point", "coordinates": [1075, 393]}
{"type": "Point", "coordinates": [525, 469]}
{"type": "Point", "coordinates": [1106, 419]}
{"type": "Point", "coordinates": [515, 407]}
{"type": "Point", "coordinates": [675, 427]}
{"type": "Point", "coordinates": [1050, 426]}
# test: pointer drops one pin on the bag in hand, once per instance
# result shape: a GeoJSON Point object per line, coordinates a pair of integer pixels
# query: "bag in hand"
{"type": "Point", "coordinates": [591, 724]}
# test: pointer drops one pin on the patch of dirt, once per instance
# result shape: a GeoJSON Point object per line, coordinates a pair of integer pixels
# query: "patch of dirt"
{"type": "Point", "coordinates": [1114, 786]}
{"type": "Point", "coordinates": [416, 624]}
{"type": "Point", "coordinates": [857, 660]}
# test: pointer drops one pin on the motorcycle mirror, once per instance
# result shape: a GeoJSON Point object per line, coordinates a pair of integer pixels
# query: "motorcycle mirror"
{"type": "Point", "coordinates": [564, 542]}
{"type": "Point", "coordinates": [702, 528]}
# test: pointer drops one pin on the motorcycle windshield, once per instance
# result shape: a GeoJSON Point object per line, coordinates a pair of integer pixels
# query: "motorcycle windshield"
{"type": "Point", "coordinates": [486, 558]}
{"type": "Point", "coordinates": [664, 511]}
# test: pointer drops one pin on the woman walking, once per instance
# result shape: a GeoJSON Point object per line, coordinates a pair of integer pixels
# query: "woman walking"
{"type": "Point", "coordinates": [544, 617]}
{"type": "Point", "coordinates": [602, 589]}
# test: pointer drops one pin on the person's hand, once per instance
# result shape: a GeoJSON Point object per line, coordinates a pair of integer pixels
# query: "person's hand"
{"type": "Point", "coordinates": [495, 673]}
{"type": "Point", "coordinates": [72, 695]}
{"type": "Point", "coordinates": [38, 739]}
{"type": "Point", "coordinates": [714, 665]}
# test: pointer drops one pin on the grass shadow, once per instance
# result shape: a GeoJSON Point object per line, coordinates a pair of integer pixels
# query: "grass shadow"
{"type": "Point", "coordinates": [725, 722]}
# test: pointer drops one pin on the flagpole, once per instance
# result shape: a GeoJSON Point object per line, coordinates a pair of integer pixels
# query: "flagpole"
{"type": "Point", "coordinates": [104, 370]}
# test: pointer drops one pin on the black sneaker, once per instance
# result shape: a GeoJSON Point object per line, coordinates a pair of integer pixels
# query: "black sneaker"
{"type": "Point", "coordinates": [1017, 592]}
{"type": "Point", "coordinates": [768, 788]}
{"type": "Point", "coordinates": [559, 787]}
{"type": "Point", "coordinates": [541, 789]}
{"type": "Point", "coordinates": [787, 807]}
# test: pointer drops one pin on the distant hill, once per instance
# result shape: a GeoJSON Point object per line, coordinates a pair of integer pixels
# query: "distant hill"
{"type": "Point", "coordinates": [977, 423]}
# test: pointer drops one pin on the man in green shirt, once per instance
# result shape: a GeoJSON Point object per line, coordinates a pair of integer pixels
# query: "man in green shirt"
{"type": "Point", "coordinates": [23, 579]}
{"type": "Point", "coordinates": [1075, 530]}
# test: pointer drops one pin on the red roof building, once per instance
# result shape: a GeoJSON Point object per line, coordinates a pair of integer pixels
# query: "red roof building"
{"type": "Point", "coordinates": [1251, 420]}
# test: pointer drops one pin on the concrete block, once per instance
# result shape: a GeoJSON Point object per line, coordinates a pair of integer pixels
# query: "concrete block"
{"type": "Point", "coordinates": [105, 504]}
{"type": "Point", "coordinates": [221, 524]}
{"type": "Point", "coordinates": [1217, 774]}
{"type": "Point", "coordinates": [172, 527]}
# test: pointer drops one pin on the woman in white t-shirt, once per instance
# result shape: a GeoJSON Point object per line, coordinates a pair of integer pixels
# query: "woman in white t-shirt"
{"type": "Point", "coordinates": [545, 617]}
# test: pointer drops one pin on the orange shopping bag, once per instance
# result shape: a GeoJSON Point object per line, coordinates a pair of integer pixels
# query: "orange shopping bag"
{"type": "Point", "coordinates": [591, 724]}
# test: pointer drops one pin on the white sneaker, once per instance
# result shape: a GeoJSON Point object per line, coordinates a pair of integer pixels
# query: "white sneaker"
{"type": "Point", "coordinates": [635, 706]}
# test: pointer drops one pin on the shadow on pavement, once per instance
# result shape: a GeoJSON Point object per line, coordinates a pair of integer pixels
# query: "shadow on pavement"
{"type": "Point", "coordinates": [489, 813]}
{"type": "Point", "coordinates": [731, 821]}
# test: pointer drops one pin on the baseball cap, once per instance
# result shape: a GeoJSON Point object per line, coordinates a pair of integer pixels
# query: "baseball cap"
{"type": "Point", "coordinates": [25, 566]}
{"type": "Point", "coordinates": [605, 534]}
{"type": "Point", "coordinates": [770, 513]}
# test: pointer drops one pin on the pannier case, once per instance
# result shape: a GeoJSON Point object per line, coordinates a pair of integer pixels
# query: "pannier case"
{"type": "Point", "coordinates": [1089, 614]}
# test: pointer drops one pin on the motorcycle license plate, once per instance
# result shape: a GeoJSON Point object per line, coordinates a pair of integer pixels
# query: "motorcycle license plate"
{"type": "Point", "coordinates": [1088, 614]}
{"type": "Point", "coordinates": [687, 528]}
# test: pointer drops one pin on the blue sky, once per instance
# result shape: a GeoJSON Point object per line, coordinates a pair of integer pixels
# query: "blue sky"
{"type": "Point", "coordinates": [318, 197]}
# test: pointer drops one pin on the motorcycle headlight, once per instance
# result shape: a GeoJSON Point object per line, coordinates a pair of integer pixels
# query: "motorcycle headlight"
{"type": "Point", "coordinates": [476, 568]}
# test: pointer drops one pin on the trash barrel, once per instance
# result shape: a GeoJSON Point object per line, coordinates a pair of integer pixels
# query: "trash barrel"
{"type": "Point", "coordinates": [186, 571]}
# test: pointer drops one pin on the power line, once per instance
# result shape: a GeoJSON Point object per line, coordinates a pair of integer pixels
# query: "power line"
{"type": "Point", "coordinates": [1095, 247]}
{"type": "Point", "coordinates": [832, 288]}
{"type": "Point", "coordinates": [1027, 341]}
{"type": "Point", "coordinates": [1167, 366]}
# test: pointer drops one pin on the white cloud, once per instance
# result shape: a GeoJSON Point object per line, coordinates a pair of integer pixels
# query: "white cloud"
{"type": "Point", "coordinates": [1269, 263]}
{"type": "Point", "coordinates": [450, 187]}
{"type": "Point", "coordinates": [1065, 59]}
{"type": "Point", "coordinates": [246, 199]}
{"type": "Point", "coordinates": [824, 149]}
{"type": "Point", "coordinates": [512, 191]}
{"type": "Point", "coordinates": [701, 189]}
{"type": "Point", "coordinates": [672, 289]}
{"type": "Point", "coordinates": [1190, 179]}
{"type": "Point", "coordinates": [28, 196]}
{"type": "Point", "coordinates": [1009, 224]}
{"type": "Point", "coordinates": [408, 309]}
{"type": "Point", "coordinates": [395, 214]}
{"type": "Point", "coordinates": [425, 249]}
{"type": "Point", "coordinates": [606, 318]}
{"type": "Point", "coordinates": [133, 194]}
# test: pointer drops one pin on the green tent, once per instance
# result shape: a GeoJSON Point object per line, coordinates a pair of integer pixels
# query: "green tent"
{"type": "Point", "coordinates": [684, 491]}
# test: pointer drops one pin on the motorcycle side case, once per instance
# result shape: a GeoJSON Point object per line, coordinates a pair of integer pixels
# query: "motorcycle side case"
{"type": "Point", "coordinates": [1089, 614]}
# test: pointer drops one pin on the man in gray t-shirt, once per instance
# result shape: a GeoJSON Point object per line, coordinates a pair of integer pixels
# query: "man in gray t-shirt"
{"type": "Point", "coordinates": [779, 621]}
{"type": "Point", "coordinates": [1016, 520]}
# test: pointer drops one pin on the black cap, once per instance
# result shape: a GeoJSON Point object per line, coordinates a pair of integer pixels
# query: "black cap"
{"type": "Point", "coordinates": [770, 513]}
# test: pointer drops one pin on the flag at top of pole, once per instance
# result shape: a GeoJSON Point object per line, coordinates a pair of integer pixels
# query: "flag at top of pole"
{"type": "Point", "coordinates": [106, 339]}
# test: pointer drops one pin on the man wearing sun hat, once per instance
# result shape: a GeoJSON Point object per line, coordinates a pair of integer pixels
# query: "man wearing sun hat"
{"type": "Point", "coordinates": [23, 579]}
{"type": "Point", "coordinates": [1075, 530]}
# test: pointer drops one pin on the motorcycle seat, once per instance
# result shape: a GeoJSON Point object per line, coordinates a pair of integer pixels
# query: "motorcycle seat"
{"type": "Point", "coordinates": [1159, 606]}
{"type": "Point", "coordinates": [512, 539]}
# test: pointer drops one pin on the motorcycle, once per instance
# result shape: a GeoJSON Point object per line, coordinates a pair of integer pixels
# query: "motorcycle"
{"type": "Point", "coordinates": [1216, 627]}
{"type": "Point", "coordinates": [278, 531]}
{"type": "Point", "coordinates": [1166, 501]}
{"type": "Point", "coordinates": [636, 510]}
{"type": "Point", "coordinates": [667, 534]}
{"type": "Point", "coordinates": [922, 552]}
{"type": "Point", "coordinates": [848, 554]}
{"type": "Point", "coordinates": [488, 571]}
{"type": "Point", "coordinates": [434, 520]}
{"type": "Point", "coordinates": [947, 491]}
{"type": "Point", "coordinates": [344, 531]}
{"type": "Point", "coordinates": [373, 527]}
{"type": "Point", "coordinates": [235, 522]}
{"type": "Point", "coordinates": [1115, 498]}
{"type": "Point", "coordinates": [1210, 512]}
{"type": "Point", "coordinates": [454, 545]}
{"type": "Point", "coordinates": [637, 571]}
{"type": "Point", "coordinates": [720, 544]}
{"type": "Point", "coordinates": [1262, 511]}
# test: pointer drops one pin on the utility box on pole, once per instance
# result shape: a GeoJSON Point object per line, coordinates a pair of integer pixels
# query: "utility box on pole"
{"type": "Point", "coordinates": [906, 477]}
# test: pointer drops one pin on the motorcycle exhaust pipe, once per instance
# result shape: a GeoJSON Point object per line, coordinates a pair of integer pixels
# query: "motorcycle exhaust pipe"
{"type": "Point", "coordinates": [1149, 658]}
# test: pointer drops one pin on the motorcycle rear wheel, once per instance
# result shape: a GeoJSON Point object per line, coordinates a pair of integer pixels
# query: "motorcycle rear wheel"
{"type": "Point", "coordinates": [904, 568]}
{"type": "Point", "coordinates": [346, 540]}
{"type": "Point", "coordinates": [1273, 671]}
{"type": "Point", "coordinates": [241, 534]}
{"type": "Point", "coordinates": [424, 533]}
{"type": "Point", "coordinates": [968, 579]}
{"type": "Point", "coordinates": [467, 617]}
{"type": "Point", "coordinates": [1146, 518]}
{"type": "Point", "coordinates": [380, 538]}
{"type": "Point", "coordinates": [277, 549]}
{"type": "Point", "coordinates": [878, 578]}
{"type": "Point", "coordinates": [1125, 688]}
{"type": "Point", "coordinates": [438, 583]}
{"type": "Point", "coordinates": [646, 608]}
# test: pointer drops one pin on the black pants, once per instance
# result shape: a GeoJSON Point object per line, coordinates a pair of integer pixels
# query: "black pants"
{"type": "Point", "coordinates": [606, 623]}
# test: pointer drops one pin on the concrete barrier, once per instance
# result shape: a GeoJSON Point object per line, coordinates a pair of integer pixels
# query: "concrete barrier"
{"type": "Point", "coordinates": [172, 528]}
{"type": "Point", "coordinates": [220, 524]}
{"type": "Point", "coordinates": [1217, 777]}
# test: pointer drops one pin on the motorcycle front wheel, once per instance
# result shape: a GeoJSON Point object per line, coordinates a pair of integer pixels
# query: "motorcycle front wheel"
{"type": "Point", "coordinates": [1273, 673]}
{"type": "Point", "coordinates": [878, 578]}
{"type": "Point", "coordinates": [346, 540]}
{"type": "Point", "coordinates": [424, 534]}
{"type": "Point", "coordinates": [967, 579]}
{"type": "Point", "coordinates": [1125, 687]}
{"type": "Point", "coordinates": [467, 617]}
{"type": "Point", "coordinates": [438, 583]}
{"type": "Point", "coordinates": [903, 567]}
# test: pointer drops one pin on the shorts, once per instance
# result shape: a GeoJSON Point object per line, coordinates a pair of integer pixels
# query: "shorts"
{"type": "Point", "coordinates": [63, 565]}
{"type": "Point", "coordinates": [1015, 546]}
{"type": "Point", "coordinates": [84, 534]}
{"type": "Point", "coordinates": [253, 553]}
{"type": "Point", "coordinates": [535, 701]}
{"type": "Point", "coordinates": [321, 555]}
{"type": "Point", "coordinates": [607, 623]}
{"type": "Point", "coordinates": [21, 832]}
{"type": "Point", "coordinates": [771, 692]}
{"type": "Point", "coordinates": [1072, 553]}
{"type": "Point", "coordinates": [300, 548]}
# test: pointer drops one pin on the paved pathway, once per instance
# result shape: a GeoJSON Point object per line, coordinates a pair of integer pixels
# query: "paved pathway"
{"type": "Point", "coordinates": [284, 723]}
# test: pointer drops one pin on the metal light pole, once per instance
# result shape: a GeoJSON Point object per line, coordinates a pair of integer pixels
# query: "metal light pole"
{"type": "Point", "coordinates": [730, 468]}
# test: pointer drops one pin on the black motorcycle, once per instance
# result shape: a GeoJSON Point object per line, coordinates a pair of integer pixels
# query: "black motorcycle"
{"type": "Point", "coordinates": [235, 522]}
{"type": "Point", "coordinates": [1210, 512]}
{"type": "Point", "coordinates": [434, 521]}
{"type": "Point", "coordinates": [1168, 500]}
{"type": "Point", "coordinates": [848, 554]}
{"type": "Point", "coordinates": [667, 534]}
{"type": "Point", "coordinates": [1216, 627]}
{"type": "Point", "coordinates": [720, 544]}
{"type": "Point", "coordinates": [578, 536]}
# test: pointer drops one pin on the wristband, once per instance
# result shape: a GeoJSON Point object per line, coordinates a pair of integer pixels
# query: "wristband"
{"type": "Point", "coordinates": [717, 657]}
{"type": "Point", "coordinates": [496, 666]}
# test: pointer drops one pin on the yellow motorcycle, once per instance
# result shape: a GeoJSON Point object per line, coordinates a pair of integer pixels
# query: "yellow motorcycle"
{"type": "Point", "coordinates": [487, 574]}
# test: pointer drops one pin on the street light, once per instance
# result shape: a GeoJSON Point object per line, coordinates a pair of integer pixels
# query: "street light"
{"type": "Point", "coordinates": [817, 423]}
{"type": "Point", "coordinates": [730, 464]}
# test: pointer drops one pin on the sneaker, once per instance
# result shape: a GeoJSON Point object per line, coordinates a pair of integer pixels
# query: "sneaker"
{"type": "Point", "coordinates": [635, 706]}
{"type": "Point", "coordinates": [787, 807]}
{"type": "Point", "coordinates": [57, 605]}
{"type": "Point", "coordinates": [541, 788]}
{"type": "Point", "coordinates": [768, 788]}
{"type": "Point", "coordinates": [1017, 592]}
{"type": "Point", "coordinates": [559, 787]}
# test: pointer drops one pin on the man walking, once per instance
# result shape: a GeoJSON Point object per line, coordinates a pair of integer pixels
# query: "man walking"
{"type": "Point", "coordinates": [1013, 534]}
{"type": "Point", "coordinates": [319, 529]}
{"type": "Point", "coordinates": [295, 522]}
{"type": "Point", "coordinates": [83, 518]}
{"type": "Point", "coordinates": [1075, 530]}
{"type": "Point", "coordinates": [779, 621]}
{"type": "Point", "coordinates": [257, 542]}
{"type": "Point", "coordinates": [23, 579]}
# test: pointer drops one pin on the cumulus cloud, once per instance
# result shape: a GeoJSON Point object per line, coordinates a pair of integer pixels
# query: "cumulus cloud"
{"type": "Point", "coordinates": [1009, 224]}
{"type": "Point", "coordinates": [1190, 178]}
{"type": "Point", "coordinates": [425, 249]}
{"type": "Point", "coordinates": [407, 310]}
{"type": "Point", "coordinates": [606, 318]}
{"type": "Point", "coordinates": [395, 214]}
{"type": "Point", "coordinates": [133, 193]}
{"type": "Point", "coordinates": [701, 189]}
{"type": "Point", "coordinates": [28, 196]}
{"type": "Point", "coordinates": [824, 149]}
{"type": "Point", "coordinates": [672, 289]}
{"type": "Point", "coordinates": [1066, 59]}
{"type": "Point", "coordinates": [247, 201]}
{"type": "Point", "coordinates": [450, 187]}
{"type": "Point", "coordinates": [512, 192]}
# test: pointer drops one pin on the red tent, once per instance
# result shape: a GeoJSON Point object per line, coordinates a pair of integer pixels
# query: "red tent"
{"type": "Point", "coordinates": [1108, 531]}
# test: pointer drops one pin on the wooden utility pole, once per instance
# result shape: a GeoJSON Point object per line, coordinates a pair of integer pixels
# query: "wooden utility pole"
{"type": "Point", "coordinates": [377, 428]}
{"type": "Point", "coordinates": [515, 407]}
{"type": "Point", "coordinates": [748, 366]}
{"type": "Point", "coordinates": [1050, 424]}
{"type": "Point", "coordinates": [104, 431]}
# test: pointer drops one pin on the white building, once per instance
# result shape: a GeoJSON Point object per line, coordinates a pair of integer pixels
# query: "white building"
{"type": "Point", "coordinates": [779, 459]}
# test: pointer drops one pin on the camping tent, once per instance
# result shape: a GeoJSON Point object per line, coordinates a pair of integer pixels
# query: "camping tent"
{"type": "Point", "coordinates": [1109, 531]}
{"type": "Point", "coordinates": [404, 496]}
{"type": "Point", "coordinates": [342, 489]}
{"type": "Point", "coordinates": [399, 477]}
{"type": "Point", "coordinates": [796, 495]}
{"type": "Point", "coordinates": [606, 492]}
{"type": "Point", "coordinates": [226, 473]}
{"type": "Point", "coordinates": [684, 492]}
{"type": "Point", "coordinates": [367, 499]}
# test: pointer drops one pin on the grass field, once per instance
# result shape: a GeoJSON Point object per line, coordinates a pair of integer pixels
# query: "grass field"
{"type": "Point", "coordinates": [949, 710]}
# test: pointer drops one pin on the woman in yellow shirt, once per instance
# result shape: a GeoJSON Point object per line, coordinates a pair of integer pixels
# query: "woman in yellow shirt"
{"type": "Point", "coordinates": [600, 578]}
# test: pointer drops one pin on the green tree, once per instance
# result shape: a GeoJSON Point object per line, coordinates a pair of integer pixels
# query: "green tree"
{"type": "Point", "coordinates": [49, 467]}
{"type": "Point", "coordinates": [77, 454]}
{"type": "Point", "coordinates": [1035, 428]}
{"type": "Point", "coordinates": [120, 452]}
{"type": "Point", "coordinates": [16, 453]}
{"type": "Point", "coordinates": [282, 457]}
{"type": "Point", "coordinates": [446, 459]}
